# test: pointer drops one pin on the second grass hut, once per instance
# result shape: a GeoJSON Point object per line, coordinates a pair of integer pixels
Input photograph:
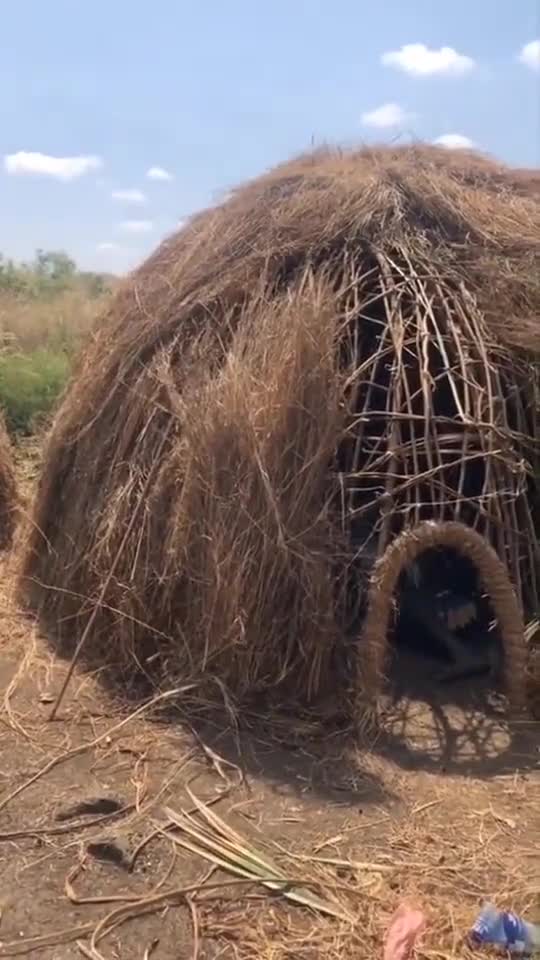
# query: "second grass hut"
{"type": "Point", "coordinates": [8, 490]}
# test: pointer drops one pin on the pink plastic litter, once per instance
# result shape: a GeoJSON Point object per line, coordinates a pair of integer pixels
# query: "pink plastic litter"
{"type": "Point", "coordinates": [403, 933]}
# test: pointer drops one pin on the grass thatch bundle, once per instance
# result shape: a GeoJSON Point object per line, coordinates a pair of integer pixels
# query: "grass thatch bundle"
{"type": "Point", "coordinates": [346, 347]}
{"type": "Point", "coordinates": [8, 490]}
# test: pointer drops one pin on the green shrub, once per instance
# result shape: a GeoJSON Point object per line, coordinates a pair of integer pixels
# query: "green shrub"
{"type": "Point", "coordinates": [30, 385]}
{"type": "Point", "coordinates": [48, 308]}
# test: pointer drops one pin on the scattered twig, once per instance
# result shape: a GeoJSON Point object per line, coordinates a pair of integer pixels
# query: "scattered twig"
{"type": "Point", "coordinates": [82, 748]}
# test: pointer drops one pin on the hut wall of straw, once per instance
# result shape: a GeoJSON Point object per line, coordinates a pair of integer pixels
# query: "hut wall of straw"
{"type": "Point", "coordinates": [8, 490]}
{"type": "Point", "coordinates": [349, 344]}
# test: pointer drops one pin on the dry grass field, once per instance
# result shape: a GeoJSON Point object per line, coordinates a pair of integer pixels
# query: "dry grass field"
{"type": "Point", "coordinates": [32, 324]}
{"type": "Point", "coordinates": [40, 337]}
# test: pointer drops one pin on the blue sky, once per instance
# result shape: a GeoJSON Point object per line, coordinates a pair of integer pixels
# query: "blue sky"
{"type": "Point", "coordinates": [94, 94]}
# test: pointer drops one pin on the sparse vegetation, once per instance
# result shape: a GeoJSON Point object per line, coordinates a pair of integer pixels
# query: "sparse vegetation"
{"type": "Point", "coordinates": [30, 384]}
{"type": "Point", "coordinates": [47, 309]}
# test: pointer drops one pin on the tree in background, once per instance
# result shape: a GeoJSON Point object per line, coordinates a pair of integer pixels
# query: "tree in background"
{"type": "Point", "coordinates": [50, 273]}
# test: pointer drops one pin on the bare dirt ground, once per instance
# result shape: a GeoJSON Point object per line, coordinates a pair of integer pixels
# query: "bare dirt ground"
{"type": "Point", "coordinates": [441, 809]}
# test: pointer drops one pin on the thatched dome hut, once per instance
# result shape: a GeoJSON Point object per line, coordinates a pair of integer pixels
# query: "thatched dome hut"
{"type": "Point", "coordinates": [346, 347]}
{"type": "Point", "coordinates": [8, 490]}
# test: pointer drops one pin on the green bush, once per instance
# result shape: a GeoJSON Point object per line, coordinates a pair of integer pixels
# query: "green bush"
{"type": "Point", "coordinates": [30, 385]}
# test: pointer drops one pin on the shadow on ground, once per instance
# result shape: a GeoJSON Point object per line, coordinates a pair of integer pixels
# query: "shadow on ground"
{"type": "Point", "coordinates": [459, 728]}
{"type": "Point", "coordinates": [296, 757]}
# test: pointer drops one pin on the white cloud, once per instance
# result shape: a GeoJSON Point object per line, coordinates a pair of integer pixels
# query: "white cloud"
{"type": "Point", "coordinates": [530, 54]}
{"type": "Point", "coordinates": [388, 115]}
{"type": "Point", "coordinates": [107, 246]}
{"type": "Point", "coordinates": [419, 60]}
{"type": "Point", "coordinates": [454, 141]}
{"type": "Point", "coordinates": [136, 226]}
{"type": "Point", "coordinates": [39, 164]}
{"type": "Point", "coordinates": [158, 173]}
{"type": "Point", "coordinates": [129, 196]}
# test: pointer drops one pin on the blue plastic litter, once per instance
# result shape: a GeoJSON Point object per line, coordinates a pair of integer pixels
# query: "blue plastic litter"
{"type": "Point", "coordinates": [506, 930]}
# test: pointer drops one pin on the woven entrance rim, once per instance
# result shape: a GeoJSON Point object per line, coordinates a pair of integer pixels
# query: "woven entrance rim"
{"type": "Point", "coordinates": [404, 550]}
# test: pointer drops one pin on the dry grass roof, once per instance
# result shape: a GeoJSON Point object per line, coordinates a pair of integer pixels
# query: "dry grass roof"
{"type": "Point", "coordinates": [468, 213]}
